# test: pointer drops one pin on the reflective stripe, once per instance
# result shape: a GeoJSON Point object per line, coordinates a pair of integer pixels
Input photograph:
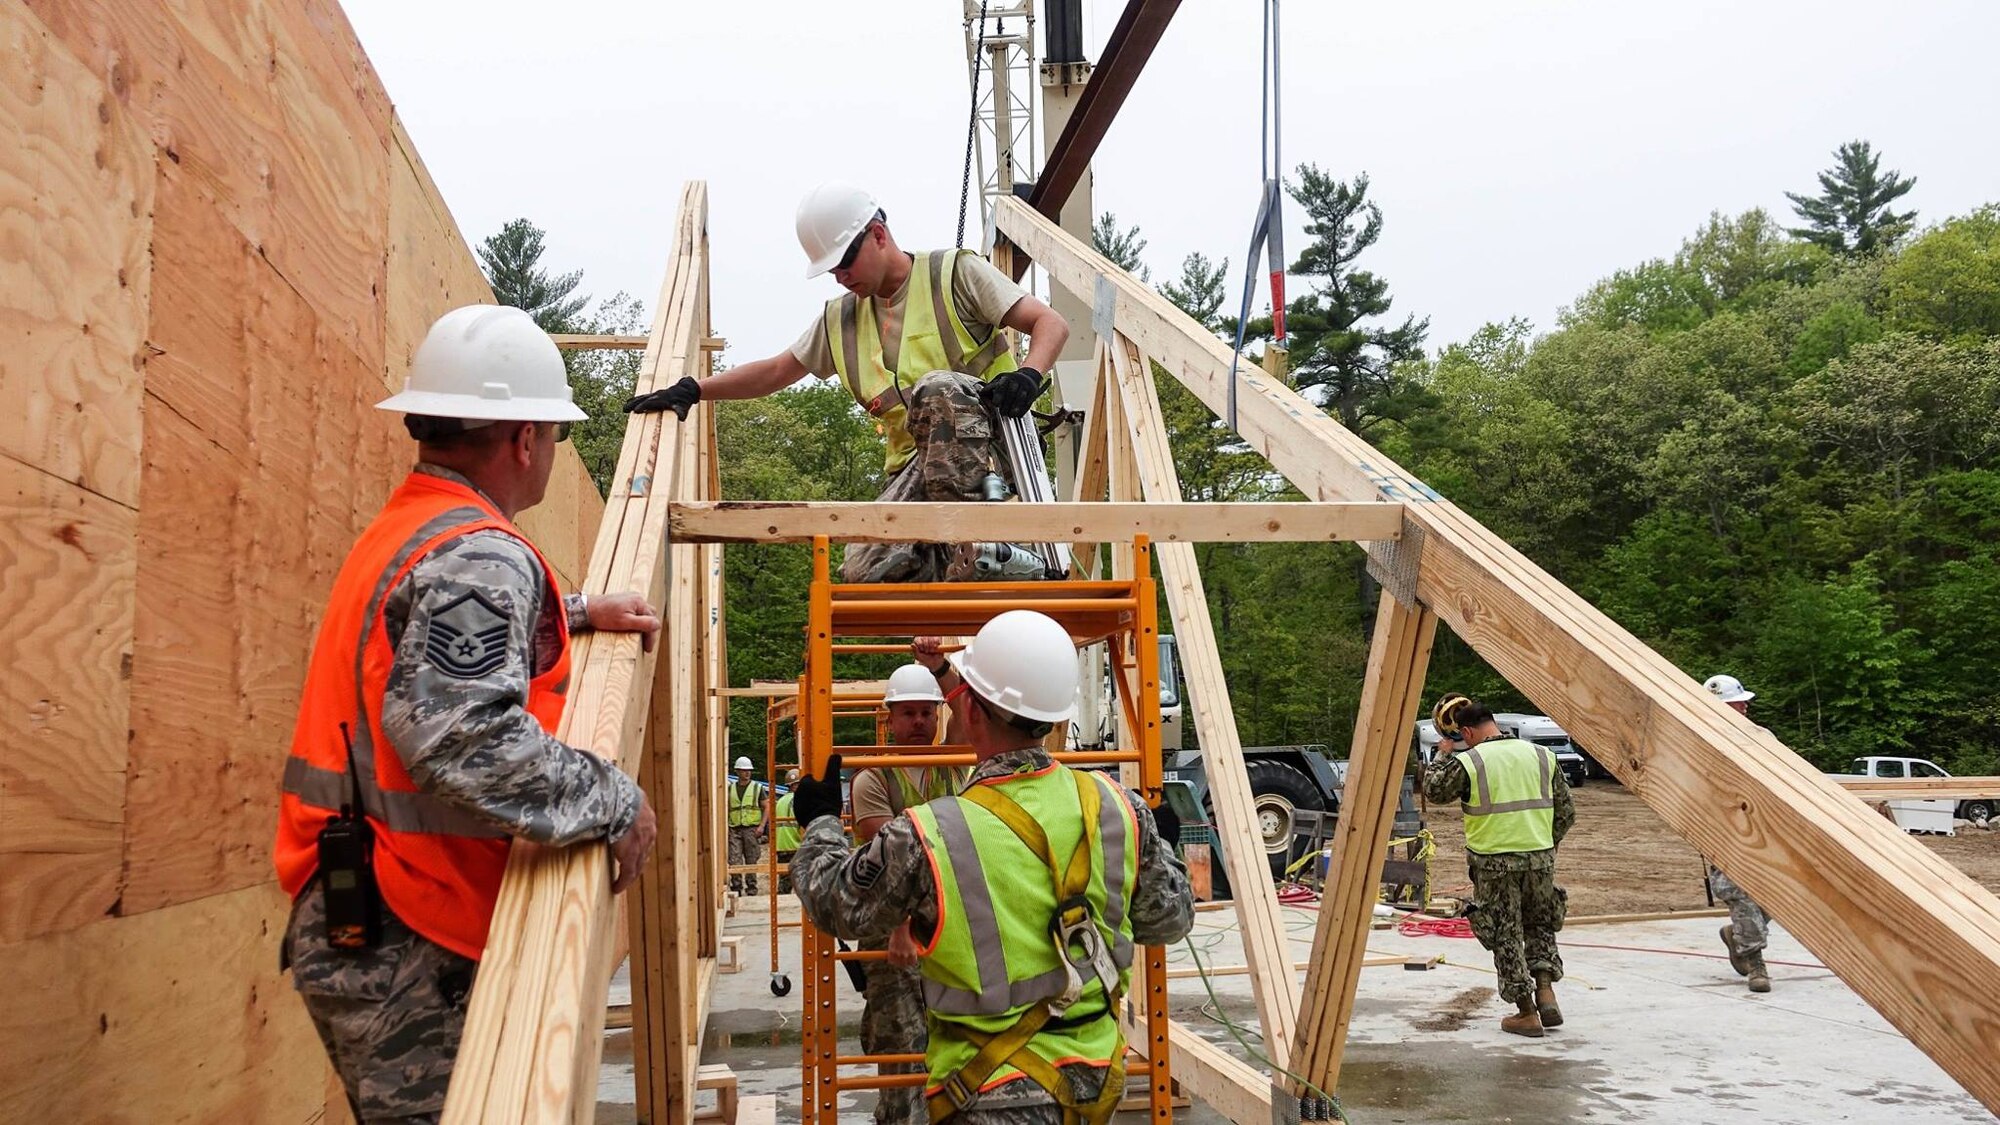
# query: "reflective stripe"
{"type": "Point", "coordinates": [1114, 817]}
{"type": "Point", "coordinates": [850, 347]}
{"type": "Point", "coordinates": [934, 262]}
{"type": "Point", "coordinates": [993, 996]}
{"type": "Point", "coordinates": [1508, 806]}
{"type": "Point", "coordinates": [401, 811]}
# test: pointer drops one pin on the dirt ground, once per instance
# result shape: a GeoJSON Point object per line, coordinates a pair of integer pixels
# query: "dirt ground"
{"type": "Point", "coordinates": [1621, 859]}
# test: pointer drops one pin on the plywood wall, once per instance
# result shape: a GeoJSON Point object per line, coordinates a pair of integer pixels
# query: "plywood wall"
{"type": "Point", "coordinates": [218, 250]}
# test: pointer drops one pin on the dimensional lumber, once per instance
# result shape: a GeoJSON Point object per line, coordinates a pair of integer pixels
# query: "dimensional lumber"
{"type": "Point", "coordinates": [1399, 654]}
{"type": "Point", "coordinates": [1226, 1084]}
{"type": "Point", "coordinates": [1914, 936]}
{"type": "Point", "coordinates": [773, 521]}
{"type": "Point", "coordinates": [538, 1005]}
{"type": "Point", "coordinates": [220, 250]}
{"type": "Point", "coordinates": [1922, 788]}
{"type": "Point", "coordinates": [1266, 945]}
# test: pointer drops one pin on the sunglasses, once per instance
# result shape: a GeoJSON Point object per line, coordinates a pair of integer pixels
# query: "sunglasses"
{"type": "Point", "coordinates": [854, 249]}
{"type": "Point", "coordinates": [562, 431]}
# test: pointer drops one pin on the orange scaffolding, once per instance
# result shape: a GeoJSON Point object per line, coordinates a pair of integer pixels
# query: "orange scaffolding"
{"type": "Point", "coordinates": [1124, 614]}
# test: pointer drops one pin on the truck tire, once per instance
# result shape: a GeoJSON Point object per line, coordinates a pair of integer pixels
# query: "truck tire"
{"type": "Point", "coordinates": [1276, 789]}
{"type": "Point", "coordinates": [1981, 809]}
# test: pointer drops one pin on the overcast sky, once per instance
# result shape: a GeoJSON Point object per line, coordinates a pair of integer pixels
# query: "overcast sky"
{"type": "Point", "coordinates": [1519, 151]}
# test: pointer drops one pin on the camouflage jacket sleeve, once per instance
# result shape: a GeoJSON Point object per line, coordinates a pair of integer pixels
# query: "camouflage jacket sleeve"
{"type": "Point", "coordinates": [1445, 780]}
{"type": "Point", "coordinates": [1162, 902]}
{"type": "Point", "coordinates": [1565, 807]}
{"type": "Point", "coordinates": [863, 893]}
{"type": "Point", "coordinates": [462, 728]}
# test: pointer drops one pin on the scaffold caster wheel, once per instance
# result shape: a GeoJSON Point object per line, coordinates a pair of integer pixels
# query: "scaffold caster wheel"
{"type": "Point", "coordinates": [781, 984]}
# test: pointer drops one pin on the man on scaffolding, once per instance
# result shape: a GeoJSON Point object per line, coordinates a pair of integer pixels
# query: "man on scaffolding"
{"type": "Point", "coordinates": [1026, 894]}
{"type": "Point", "coordinates": [918, 342]}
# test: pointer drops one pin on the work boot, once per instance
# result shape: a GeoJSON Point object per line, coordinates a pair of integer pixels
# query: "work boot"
{"type": "Point", "coordinates": [1736, 960]}
{"type": "Point", "coordinates": [1760, 981]}
{"type": "Point", "coordinates": [1526, 1022]}
{"type": "Point", "coordinates": [1545, 1001]}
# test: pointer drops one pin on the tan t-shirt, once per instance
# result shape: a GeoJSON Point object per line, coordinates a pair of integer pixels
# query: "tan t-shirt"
{"type": "Point", "coordinates": [983, 296]}
{"type": "Point", "coordinates": [874, 796]}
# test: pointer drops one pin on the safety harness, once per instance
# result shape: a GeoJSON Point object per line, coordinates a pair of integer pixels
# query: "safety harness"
{"type": "Point", "coordinates": [1079, 943]}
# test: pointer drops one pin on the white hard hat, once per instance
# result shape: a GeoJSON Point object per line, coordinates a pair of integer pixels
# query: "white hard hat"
{"type": "Point", "coordinates": [1729, 689]}
{"type": "Point", "coordinates": [912, 683]}
{"type": "Point", "coordinates": [488, 362]}
{"type": "Point", "coordinates": [1023, 663]}
{"type": "Point", "coordinates": [742, 763]}
{"type": "Point", "coordinates": [829, 217]}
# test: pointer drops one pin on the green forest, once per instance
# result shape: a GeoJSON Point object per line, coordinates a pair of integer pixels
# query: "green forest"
{"type": "Point", "coordinates": [1773, 451]}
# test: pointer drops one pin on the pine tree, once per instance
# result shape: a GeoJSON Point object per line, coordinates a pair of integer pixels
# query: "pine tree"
{"type": "Point", "coordinates": [1123, 247]}
{"type": "Point", "coordinates": [1851, 214]}
{"type": "Point", "coordinates": [1200, 289]}
{"type": "Point", "coordinates": [512, 258]}
{"type": "Point", "coordinates": [1353, 366]}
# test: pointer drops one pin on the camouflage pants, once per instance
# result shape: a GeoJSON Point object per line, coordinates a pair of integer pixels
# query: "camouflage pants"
{"type": "Point", "coordinates": [744, 847]}
{"type": "Point", "coordinates": [1747, 920]}
{"type": "Point", "coordinates": [389, 1017]}
{"type": "Point", "coordinates": [892, 1023]}
{"type": "Point", "coordinates": [957, 445]}
{"type": "Point", "coordinates": [1516, 916]}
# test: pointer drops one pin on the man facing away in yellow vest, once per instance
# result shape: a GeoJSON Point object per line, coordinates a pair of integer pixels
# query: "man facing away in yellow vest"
{"type": "Point", "coordinates": [1027, 893]}
{"type": "Point", "coordinates": [918, 342]}
{"type": "Point", "coordinates": [1517, 809]}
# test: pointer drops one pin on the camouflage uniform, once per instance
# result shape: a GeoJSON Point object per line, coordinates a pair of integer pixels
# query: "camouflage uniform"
{"type": "Point", "coordinates": [744, 847]}
{"type": "Point", "coordinates": [1747, 920]}
{"type": "Point", "coordinates": [864, 894]}
{"type": "Point", "coordinates": [957, 445]}
{"type": "Point", "coordinates": [390, 1017]}
{"type": "Point", "coordinates": [1518, 908]}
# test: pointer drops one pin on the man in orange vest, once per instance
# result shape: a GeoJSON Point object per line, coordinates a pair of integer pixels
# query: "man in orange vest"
{"type": "Point", "coordinates": [425, 738]}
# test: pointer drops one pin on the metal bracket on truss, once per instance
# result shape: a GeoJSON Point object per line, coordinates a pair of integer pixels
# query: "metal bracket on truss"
{"type": "Point", "coordinates": [1395, 563]}
{"type": "Point", "coordinates": [1104, 309]}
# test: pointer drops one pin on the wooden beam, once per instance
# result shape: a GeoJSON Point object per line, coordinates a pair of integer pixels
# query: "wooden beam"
{"type": "Point", "coordinates": [770, 521]}
{"type": "Point", "coordinates": [1397, 659]}
{"type": "Point", "coordinates": [576, 342]}
{"type": "Point", "coordinates": [539, 998]}
{"type": "Point", "coordinates": [1913, 935]}
{"type": "Point", "coordinates": [1266, 943]}
{"type": "Point", "coordinates": [1227, 1084]}
{"type": "Point", "coordinates": [1922, 788]}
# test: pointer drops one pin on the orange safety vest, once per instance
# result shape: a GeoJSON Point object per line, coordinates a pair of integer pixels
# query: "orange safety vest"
{"type": "Point", "coordinates": [438, 866]}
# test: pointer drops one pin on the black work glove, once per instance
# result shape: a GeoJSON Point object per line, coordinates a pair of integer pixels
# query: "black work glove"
{"type": "Point", "coordinates": [1167, 823]}
{"type": "Point", "coordinates": [677, 398]}
{"type": "Point", "coordinates": [815, 797]}
{"type": "Point", "coordinates": [1012, 394]}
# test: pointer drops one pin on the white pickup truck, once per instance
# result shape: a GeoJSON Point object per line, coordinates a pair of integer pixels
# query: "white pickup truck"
{"type": "Point", "coordinates": [1909, 812]}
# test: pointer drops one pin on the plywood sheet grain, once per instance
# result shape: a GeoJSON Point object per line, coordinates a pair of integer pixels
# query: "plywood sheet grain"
{"type": "Point", "coordinates": [177, 1015]}
{"type": "Point", "coordinates": [75, 211]}
{"type": "Point", "coordinates": [66, 574]}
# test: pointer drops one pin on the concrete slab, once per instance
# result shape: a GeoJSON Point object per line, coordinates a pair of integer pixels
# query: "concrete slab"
{"type": "Point", "coordinates": [1659, 1027]}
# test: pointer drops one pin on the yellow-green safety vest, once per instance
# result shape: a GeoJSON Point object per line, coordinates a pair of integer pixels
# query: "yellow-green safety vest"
{"type": "Point", "coordinates": [746, 805]}
{"type": "Point", "coordinates": [785, 836]}
{"type": "Point", "coordinates": [934, 339]}
{"type": "Point", "coordinates": [993, 962]}
{"type": "Point", "coordinates": [938, 781]}
{"type": "Point", "coordinates": [1510, 797]}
